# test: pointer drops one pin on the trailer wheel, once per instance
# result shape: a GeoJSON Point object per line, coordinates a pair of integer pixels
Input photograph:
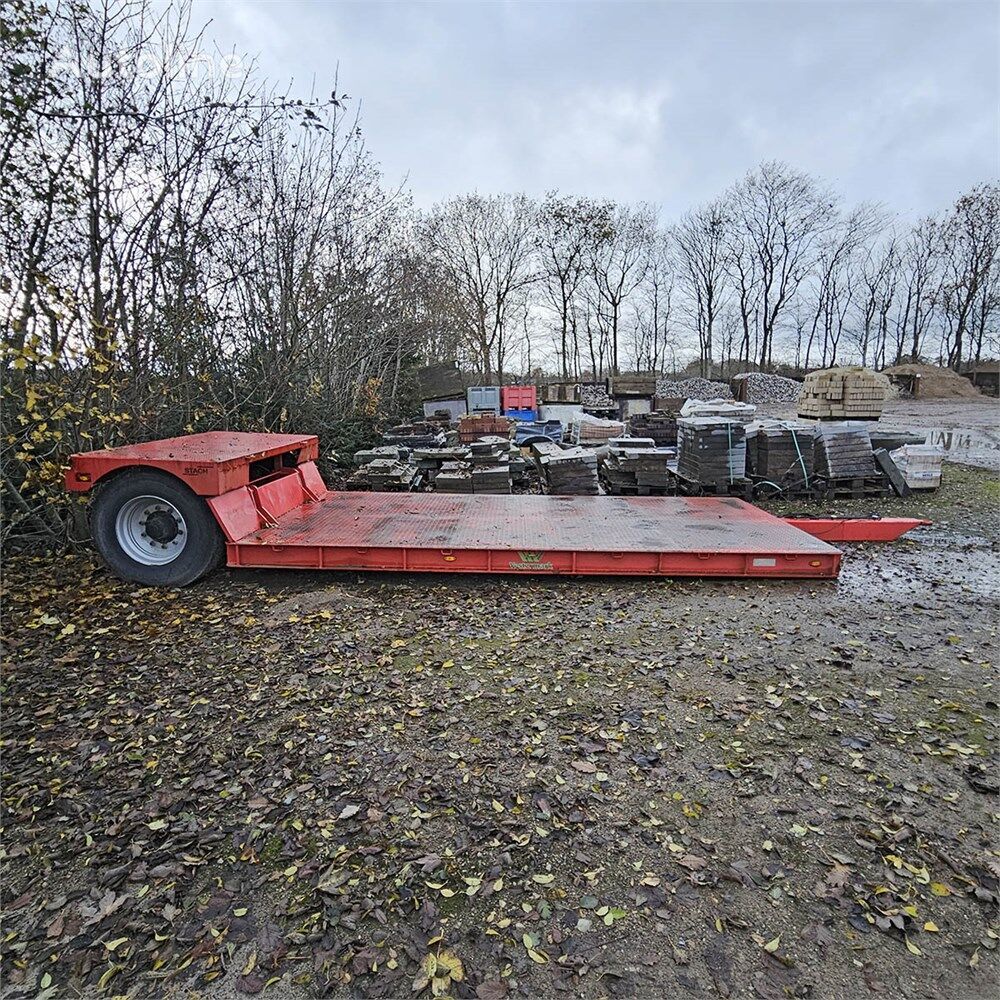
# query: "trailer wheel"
{"type": "Point", "coordinates": [150, 528]}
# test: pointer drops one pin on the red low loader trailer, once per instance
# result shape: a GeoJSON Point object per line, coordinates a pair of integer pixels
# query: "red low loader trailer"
{"type": "Point", "coordinates": [167, 512]}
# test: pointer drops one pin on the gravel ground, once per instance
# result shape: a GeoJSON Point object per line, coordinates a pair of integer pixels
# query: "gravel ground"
{"type": "Point", "coordinates": [333, 785]}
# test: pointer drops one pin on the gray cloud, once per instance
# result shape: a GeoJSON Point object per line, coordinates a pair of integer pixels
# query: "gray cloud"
{"type": "Point", "coordinates": [891, 102]}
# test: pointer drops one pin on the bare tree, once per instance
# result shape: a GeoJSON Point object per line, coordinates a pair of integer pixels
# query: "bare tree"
{"type": "Point", "coordinates": [484, 247]}
{"type": "Point", "coordinates": [878, 276]}
{"type": "Point", "coordinates": [835, 267]}
{"type": "Point", "coordinates": [700, 241]}
{"type": "Point", "coordinates": [971, 234]}
{"type": "Point", "coordinates": [569, 231]}
{"type": "Point", "coordinates": [654, 311]}
{"type": "Point", "coordinates": [921, 284]}
{"type": "Point", "coordinates": [619, 264]}
{"type": "Point", "coordinates": [784, 215]}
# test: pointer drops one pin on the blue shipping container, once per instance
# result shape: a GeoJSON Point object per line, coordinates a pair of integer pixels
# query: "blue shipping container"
{"type": "Point", "coordinates": [530, 415]}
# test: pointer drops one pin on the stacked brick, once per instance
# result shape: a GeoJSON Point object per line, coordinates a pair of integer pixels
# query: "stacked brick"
{"type": "Point", "coordinates": [843, 394]}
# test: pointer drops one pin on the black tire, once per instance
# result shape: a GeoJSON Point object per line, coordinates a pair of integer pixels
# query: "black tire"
{"type": "Point", "coordinates": [203, 545]}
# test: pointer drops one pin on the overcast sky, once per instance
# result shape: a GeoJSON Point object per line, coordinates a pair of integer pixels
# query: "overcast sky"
{"type": "Point", "coordinates": [666, 102]}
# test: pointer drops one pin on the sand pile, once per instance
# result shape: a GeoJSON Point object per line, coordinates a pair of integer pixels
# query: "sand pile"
{"type": "Point", "coordinates": [936, 383]}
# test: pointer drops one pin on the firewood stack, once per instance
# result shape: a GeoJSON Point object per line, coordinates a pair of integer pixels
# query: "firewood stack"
{"type": "Point", "coordinates": [843, 394]}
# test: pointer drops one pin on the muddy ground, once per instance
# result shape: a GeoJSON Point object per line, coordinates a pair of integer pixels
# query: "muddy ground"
{"type": "Point", "coordinates": [331, 785]}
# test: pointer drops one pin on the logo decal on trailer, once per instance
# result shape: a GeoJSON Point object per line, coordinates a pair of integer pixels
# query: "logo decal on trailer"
{"type": "Point", "coordinates": [530, 561]}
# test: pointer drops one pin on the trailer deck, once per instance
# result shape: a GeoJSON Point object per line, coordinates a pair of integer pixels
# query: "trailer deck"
{"type": "Point", "coordinates": [663, 536]}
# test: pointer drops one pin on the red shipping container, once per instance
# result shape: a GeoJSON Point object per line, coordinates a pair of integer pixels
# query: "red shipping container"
{"type": "Point", "coordinates": [519, 397]}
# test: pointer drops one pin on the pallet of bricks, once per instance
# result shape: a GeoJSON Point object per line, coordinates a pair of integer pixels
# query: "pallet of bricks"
{"type": "Point", "coordinates": [843, 394]}
{"type": "Point", "coordinates": [635, 466]}
{"type": "Point", "coordinates": [845, 463]}
{"type": "Point", "coordinates": [480, 425]}
{"type": "Point", "coordinates": [711, 457]}
{"type": "Point", "coordinates": [781, 457]}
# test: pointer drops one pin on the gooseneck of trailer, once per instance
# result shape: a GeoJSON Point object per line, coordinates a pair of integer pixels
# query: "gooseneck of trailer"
{"type": "Point", "coordinates": [169, 511]}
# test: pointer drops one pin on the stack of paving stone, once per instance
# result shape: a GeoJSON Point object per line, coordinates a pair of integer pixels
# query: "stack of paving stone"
{"type": "Point", "coordinates": [454, 477]}
{"type": "Point", "coordinates": [492, 479]}
{"type": "Point", "coordinates": [621, 463]}
{"type": "Point", "coordinates": [843, 394]}
{"type": "Point", "coordinates": [571, 472]}
{"type": "Point", "coordinates": [490, 458]}
{"type": "Point", "coordinates": [386, 475]}
{"type": "Point", "coordinates": [844, 451]}
{"type": "Point", "coordinates": [660, 426]}
{"type": "Point", "coordinates": [440, 417]}
{"type": "Point", "coordinates": [781, 451]}
{"type": "Point", "coordinates": [518, 465]}
{"type": "Point", "coordinates": [711, 450]}
{"type": "Point", "coordinates": [420, 434]}
{"type": "Point", "coordinates": [430, 460]}
{"type": "Point", "coordinates": [489, 450]}
{"type": "Point", "coordinates": [393, 451]}
{"type": "Point", "coordinates": [637, 465]}
{"type": "Point", "coordinates": [652, 472]}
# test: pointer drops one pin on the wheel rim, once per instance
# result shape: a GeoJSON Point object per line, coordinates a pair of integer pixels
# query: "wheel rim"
{"type": "Point", "coordinates": [151, 530]}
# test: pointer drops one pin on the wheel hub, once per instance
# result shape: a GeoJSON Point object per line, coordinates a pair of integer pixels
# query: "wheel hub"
{"type": "Point", "coordinates": [151, 530]}
{"type": "Point", "coordinates": [160, 525]}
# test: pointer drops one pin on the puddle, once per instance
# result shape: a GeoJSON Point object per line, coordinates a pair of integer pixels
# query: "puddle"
{"type": "Point", "coordinates": [964, 568]}
{"type": "Point", "coordinates": [971, 447]}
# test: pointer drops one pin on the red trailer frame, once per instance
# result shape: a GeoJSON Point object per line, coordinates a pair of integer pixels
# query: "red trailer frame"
{"type": "Point", "coordinates": [267, 496]}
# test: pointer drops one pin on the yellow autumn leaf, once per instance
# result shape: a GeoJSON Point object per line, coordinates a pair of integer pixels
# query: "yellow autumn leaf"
{"type": "Point", "coordinates": [452, 964]}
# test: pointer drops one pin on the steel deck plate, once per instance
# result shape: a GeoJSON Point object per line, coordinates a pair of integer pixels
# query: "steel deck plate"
{"type": "Point", "coordinates": [209, 446]}
{"type": "Point", "coordinates": [689, 536]}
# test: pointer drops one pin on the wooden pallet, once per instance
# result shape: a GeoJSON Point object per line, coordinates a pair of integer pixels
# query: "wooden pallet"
{"type": "Point", "coordinates": [858, 486]}
{"type": "Point", "coordinates": [639, 491]}
{"type": "Point", "coordinates": [742, 488]}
